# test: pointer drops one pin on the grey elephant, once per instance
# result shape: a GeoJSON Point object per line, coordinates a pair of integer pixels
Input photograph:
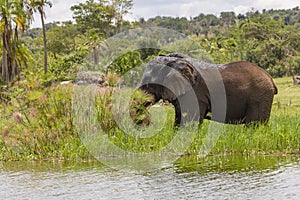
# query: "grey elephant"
{"type": "Point", "coordinates": [236, 93]}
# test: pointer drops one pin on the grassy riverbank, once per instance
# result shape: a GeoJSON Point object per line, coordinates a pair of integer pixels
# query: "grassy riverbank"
{"type": "Point", "coordinates": [280, 135]}
{"type": "Point", "coordinates": [37, 123]}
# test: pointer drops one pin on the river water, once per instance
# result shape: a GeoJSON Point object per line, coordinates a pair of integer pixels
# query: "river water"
{"type": "Point", "coordinates": [213, 177]}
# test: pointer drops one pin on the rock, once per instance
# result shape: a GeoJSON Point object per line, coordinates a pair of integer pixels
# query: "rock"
{"type": "Point", "coordinates": [88, 78]}
{"type": "Point", "coordinates": [296, 80]}
{"type": "Point", "coordinates": [66, 82]}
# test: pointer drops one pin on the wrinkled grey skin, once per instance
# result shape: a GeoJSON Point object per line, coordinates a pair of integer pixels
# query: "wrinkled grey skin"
{"type": "Point", "coordinates": [181, 80]}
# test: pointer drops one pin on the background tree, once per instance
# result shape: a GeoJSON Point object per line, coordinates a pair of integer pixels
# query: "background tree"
{"type": "Point", "coordinates": [228, 18]}
{"type": "Point", "coordinates": [61, 39]}
{"type": "Point", "coordinates": [105, 17]}
{"type": "Point", "coordinates": [14, 18]}
{"type": "Point", "coordinates": [269, 39]}
{"type": "Point", "coordinates": [122, 8]}
{"type": "Point", "coordinates": [272, 43]}
{"type": "Point", "coordinates": [38, 5]}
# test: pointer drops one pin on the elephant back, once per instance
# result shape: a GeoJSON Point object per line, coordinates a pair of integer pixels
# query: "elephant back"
{"type": "Point", "coordinates": [249, 73]}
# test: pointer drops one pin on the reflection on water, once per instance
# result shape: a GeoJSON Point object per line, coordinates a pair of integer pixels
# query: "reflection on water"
{"type": "Point", "coordinates": [190, 178]}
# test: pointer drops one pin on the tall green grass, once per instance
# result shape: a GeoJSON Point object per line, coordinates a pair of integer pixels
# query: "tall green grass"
{"type": "Point", "coordinates": [280, 136]}
{"type": "Point", "coordinates": [38, 124]}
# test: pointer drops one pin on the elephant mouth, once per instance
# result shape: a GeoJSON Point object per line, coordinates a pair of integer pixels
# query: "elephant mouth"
{"type": "Point", "coordinates": [150, 100]}
{"type": "Point", "coordinates": [152, 96]}
{"type": "Point", "coordinates": [148, 103]}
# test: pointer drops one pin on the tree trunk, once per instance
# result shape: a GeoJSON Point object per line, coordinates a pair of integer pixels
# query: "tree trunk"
{"type": "Point", "coordinates": [45, 41]}
{"type": "Point", "coordinates": [96, 57]}
{"type": "Point", "coordinates": [14, 70]}
{"type": "Point", "coordinates": [5, 76]}
{"type": "Point", "coordinates": [6, 59]}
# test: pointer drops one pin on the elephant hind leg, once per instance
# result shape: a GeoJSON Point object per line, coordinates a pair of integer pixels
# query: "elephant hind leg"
{"type": "Point", "coordinates": [258, 111]}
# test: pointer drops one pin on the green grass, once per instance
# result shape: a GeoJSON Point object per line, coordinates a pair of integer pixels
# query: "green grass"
{"type": "Point", "coordinates": [42, 127]}
{"type": "Point", "coordinates": [281, 135]}
{"type": "Point", "coordinates": [39, 127]}
{"type": "Point", "coordinates": [288, 94]}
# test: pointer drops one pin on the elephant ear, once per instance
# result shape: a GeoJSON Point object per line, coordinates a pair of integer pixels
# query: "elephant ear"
{"type": "Point", "coordinates": [181, 78]}
{"type": "Point", "coordinates": [185, 68]}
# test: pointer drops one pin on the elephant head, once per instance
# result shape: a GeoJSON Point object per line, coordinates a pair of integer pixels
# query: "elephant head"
{"type": "Point", "coordinates": [171, 78]}
{"type": "Point", "coordinates": [168, 78]}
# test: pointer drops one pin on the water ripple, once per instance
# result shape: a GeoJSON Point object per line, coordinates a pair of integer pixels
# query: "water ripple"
{"type": "Point", "coordinates": [211, 178]}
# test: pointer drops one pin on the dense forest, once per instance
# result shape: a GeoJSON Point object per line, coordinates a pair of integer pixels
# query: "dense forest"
{"type": "Point", "coordinates": [270, 38]}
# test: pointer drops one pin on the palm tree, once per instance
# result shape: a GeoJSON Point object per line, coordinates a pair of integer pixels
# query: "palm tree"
{"type": "Point", "coordinates": [38, 5]}
{"type": "Point", "coordinates": [13, 17]}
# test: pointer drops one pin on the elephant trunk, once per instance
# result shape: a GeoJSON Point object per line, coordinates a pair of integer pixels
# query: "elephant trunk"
{"type": "Point", "coordinates": [153, 92]}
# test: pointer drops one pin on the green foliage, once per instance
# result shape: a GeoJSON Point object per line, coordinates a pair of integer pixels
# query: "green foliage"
{"type": "Point", "coordinates": [189, 47]}
{"type": "Point", "coordinates": [179, 24]}
{"type": "Point", "coordinates": [112, 79]}
{"type": "Point", "coordinates": [62, 39]}
{"type": "Point", "coordinates": [260, 40]}
{"type": "Point", "coordinates": [269, 39]}
{"type": "Point", "coordinates": [221, 49]}
{"type": "Point", "coordinates": [37, 123]}
{"type": "Point", "coordinates": [101, 15]}
{"type": "Point", "coordinates": [103, 109]}
{"type": "Point", "coordinates": [66, 67]}
{"type": "Point", "coordinates": [138, 112]}
{"type": "Point", "coordinates": [126, 62]}
{"type": "Point", "coordinates": [105, 116]}
{"type": "Point", "coordinates": [14, 18]}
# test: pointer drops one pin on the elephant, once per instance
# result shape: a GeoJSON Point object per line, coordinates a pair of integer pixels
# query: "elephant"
{"type": "Point", "coordinates": [197, 89]}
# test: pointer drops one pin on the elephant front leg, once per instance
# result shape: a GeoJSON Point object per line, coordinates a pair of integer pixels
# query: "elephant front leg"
{"type": "Point", "coordinates": [187, 110]}
{"type": "Point", "coordinates": [177, 113]}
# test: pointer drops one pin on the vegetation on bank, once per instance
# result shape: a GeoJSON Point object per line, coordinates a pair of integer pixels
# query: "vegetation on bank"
{"type": "Point", "coordinates": [39, 124]}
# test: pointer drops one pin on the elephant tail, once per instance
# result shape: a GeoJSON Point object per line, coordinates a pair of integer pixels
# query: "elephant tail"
{"type": "Point", "coordinates": [275, 87]}
{"type": "Point", "coordinates": [276, 90]}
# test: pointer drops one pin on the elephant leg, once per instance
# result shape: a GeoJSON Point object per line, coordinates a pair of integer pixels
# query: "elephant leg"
{"type": "Point", "coordinates": [186, 113]}
{"type": "Point", "coordinates": [259, 111]}
{"type": "Point", "coordinates": [177, 108]}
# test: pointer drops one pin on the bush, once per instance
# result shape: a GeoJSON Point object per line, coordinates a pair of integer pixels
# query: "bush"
{"type": "Point", "coordinates": [66, 68]}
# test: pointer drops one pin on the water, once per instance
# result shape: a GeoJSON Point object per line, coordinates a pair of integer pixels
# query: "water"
{"type": "Point", "coordinates": [271, 177]}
